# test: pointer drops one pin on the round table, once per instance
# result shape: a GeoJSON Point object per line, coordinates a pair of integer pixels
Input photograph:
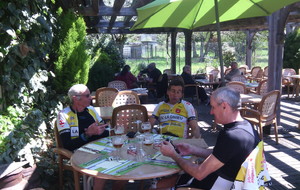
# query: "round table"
{"type": "Point", "coordinates": [144, 171]}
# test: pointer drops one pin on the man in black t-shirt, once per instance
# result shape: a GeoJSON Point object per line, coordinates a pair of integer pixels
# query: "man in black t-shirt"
{"type": "Point", "coordinates": [234, 143]}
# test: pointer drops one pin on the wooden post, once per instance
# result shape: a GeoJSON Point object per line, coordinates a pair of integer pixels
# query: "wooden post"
{"type": "Point", "coordinates": [173, 52]}
{"type": "Point", "coordinates": [188, 47]}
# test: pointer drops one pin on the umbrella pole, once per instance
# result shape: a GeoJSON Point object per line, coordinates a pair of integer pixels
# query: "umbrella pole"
{"type": "Point", "coordinates": [219, 42]}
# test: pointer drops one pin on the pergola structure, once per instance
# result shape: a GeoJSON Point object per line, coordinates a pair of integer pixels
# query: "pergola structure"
{"type": "Point", "coordinates": [120, 15]}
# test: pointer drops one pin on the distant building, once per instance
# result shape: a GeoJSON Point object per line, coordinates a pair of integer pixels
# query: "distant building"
{"type": "Point", "coordinates": [144, 48]}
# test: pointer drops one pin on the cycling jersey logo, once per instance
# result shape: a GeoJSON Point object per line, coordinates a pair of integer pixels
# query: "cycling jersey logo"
{"type": "Point", "coordinates": [177, 110]}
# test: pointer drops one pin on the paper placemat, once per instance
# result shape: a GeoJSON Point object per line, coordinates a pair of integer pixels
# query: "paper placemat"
{"type": "Point", "coordinates": [111, 167]}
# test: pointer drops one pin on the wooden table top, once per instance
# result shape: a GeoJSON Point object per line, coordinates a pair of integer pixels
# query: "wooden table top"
{"type": "Point", "coordinates": [143, 171]}
{"type": "Point", "coordinates": [251, 98]}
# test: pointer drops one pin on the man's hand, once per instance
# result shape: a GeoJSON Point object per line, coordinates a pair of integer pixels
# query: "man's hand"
{"type": "Point", "coordinates": [184, 148]}
{"type": "Point", "coordinates": [95, 129]}
{"type": "Point", "coordinates": [167, 149]}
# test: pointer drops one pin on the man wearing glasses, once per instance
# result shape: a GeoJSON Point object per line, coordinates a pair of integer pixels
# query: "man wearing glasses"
{"type": "Point", "coordinates": [79, 123]}
{"type": "Point", "coordinates": [174, 114]}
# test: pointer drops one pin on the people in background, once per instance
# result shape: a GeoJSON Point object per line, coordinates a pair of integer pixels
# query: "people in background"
{"type": "Point", "coordinates": [221, 165]}
{"type": "Point", "coordinates": [174, 114]}
{"type": "Point", "coordinates": [126, 76]}
{"type": "Point", "coordinates": [233, 72]}
{"type": "Point", "coordinates": [191, 91]}
{"type": "Point", "coordinates": [152, 72]}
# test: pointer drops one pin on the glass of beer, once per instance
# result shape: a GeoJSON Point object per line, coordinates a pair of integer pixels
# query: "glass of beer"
{"type": "Point", "coordinates": [119, 130]}
{"type": "Point", "coordinates": [117, 142]}
{"type": "Point", "coordinates": [148, 140]}
{"type": "Point", "coordinates": [146, 127]}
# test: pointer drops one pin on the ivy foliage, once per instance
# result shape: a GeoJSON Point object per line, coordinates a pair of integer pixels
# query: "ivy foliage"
{"type": "Point", "coordinates": [291, 58]}
{"type": "Point", "coordinates": [26, 32]}
{"type": "Point", "coordinates": [72, 64]}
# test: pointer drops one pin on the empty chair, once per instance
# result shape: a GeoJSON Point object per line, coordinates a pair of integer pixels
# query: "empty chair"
{"type": "Point", "coordinates": [214, 73]}
{"type": "Point", "coordinates": [64, 156]}
{"type": "Point", "coordinates": [243, 70]}
{"type": "Point", "coordinates": [286, 79]}
{"type": "Point", "coordinates": [256, 72]}
{"type": "Point", "coordinates": [105, 96]}
{"type": "Point", "coordinates": [118, 84]}
{"type": "Point", "coordinates": [246, 66]}
{"type": "Point", "coordinates": [127, 115]}
{"type": "Point", "coordinates": [265, 114]}
{"type": "Point", "coordinates": [167, 71]}
{"type": "Point", "coordinates": [125, 97]}
{"type": "Point", "coordinates": [262, 88]}
{"type": "Point", "coordinates": [238, 86]}
{"type": "Point", "coordinates": [239, 78]}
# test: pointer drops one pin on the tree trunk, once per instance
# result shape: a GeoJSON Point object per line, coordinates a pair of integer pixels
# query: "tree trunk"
{"type": "Point", "coordinates": [194, 48]}
{"type": "Point", "coordinates": [249, 40]}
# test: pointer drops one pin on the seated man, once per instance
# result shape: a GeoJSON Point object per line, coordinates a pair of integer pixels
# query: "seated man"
{"type": "Point", "coordinates": [190, 91]}
{"type": "Point", "coordinates": [233, 72]}
{"type": "Point", "coordinates": [79, 123]}
{"type": "Point", "coordinates": [221, 165]}
{"type": "Point", "coordinates": [175, 114]}
{"type": "Point", "coordinates": [152, 72]}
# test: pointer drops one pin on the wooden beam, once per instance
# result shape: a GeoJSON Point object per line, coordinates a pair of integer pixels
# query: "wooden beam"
{"type": "Point", "coordinates": [173, 51]}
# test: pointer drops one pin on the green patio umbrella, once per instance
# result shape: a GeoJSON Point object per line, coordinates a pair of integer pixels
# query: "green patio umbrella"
{"type": "Point", "coordinates": [191, 14]}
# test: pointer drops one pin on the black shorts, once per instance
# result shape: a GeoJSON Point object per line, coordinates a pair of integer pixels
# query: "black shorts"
{"type": "Point", "coordinates": [206, 183]}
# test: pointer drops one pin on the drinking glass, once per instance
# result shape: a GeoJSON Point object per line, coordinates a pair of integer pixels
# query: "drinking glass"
{"type": "Point", "coordinates": [146, 127]}
{"type": "Point", "coordinates": [148, 140]}
{"type": "Point", "coordinates": [119, 130]}
{"type": "Point", "coordinates": [138, 123]}
{"type": "Point", "coordinates": [117, 142]}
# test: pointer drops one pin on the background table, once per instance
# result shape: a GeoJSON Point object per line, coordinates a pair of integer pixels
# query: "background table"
{"type": "Point", "coordinates": [250, 98]}
{"type": "Point", "coordinates": [144, 171]}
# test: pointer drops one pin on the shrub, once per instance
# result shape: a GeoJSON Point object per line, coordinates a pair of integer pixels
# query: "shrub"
{"type": "Point", "coordinates": [72, 65]}
{"type": "Point", "coordinates": [291, 57]}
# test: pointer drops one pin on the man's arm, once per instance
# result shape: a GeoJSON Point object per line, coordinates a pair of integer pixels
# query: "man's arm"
{"type": "Point", "coordinates": [195, 128]}
{"type": "Point", "coordinates": [210, 164]}
{"type": "Point", "coordinates": [201, 171]}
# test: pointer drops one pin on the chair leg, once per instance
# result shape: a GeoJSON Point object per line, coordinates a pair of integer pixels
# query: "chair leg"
{"type": "Point", "coordinates": [76, 180]}
{"type": "Point", "coordinates": [61, 172]}
{"type": "Point", "coordinates": [276, 131]}
{"type": "Point", "coordinates": [261, 131]}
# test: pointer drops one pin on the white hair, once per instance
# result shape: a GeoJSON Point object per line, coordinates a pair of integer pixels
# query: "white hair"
{"type": "Point", "coordinates": [76, 89]}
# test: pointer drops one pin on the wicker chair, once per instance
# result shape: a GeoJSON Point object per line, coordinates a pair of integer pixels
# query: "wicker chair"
{"type": "Point", "coordinates": [243, 70]}
{"type": "Point", "coordinates": [239, 78]}
{"type": "Point", "coordinates": [167, 71]}
{"type": "Point", "coordinates": [227, 71]}
{"type": "Point", "coordinates": [127, 115]}
{"type": "Point", "coordinates": [286, 80]}
{"type": "Point", "coordinates": [266, 72]}
{"type": "Point", "coordinates": [262, 88]}
{"type": "Point", "coordinates": [256, 73]}
{"type": "Point", "coordinates": [64, 156]}
{"type": "Point", "coordinates": [118, 84]}
{"type": "Point", "coordinates": [125, 97]}
{"type": "Point", "coordinates": [238, 86]}
{"type": "Point", "coordinates": [265, 113]}
{"type": "Point", "coordinates": [105, 96]}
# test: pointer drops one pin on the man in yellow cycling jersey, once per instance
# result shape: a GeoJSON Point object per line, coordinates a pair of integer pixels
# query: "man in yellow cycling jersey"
{"type": "Point", "coordinates": [174, 115]}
